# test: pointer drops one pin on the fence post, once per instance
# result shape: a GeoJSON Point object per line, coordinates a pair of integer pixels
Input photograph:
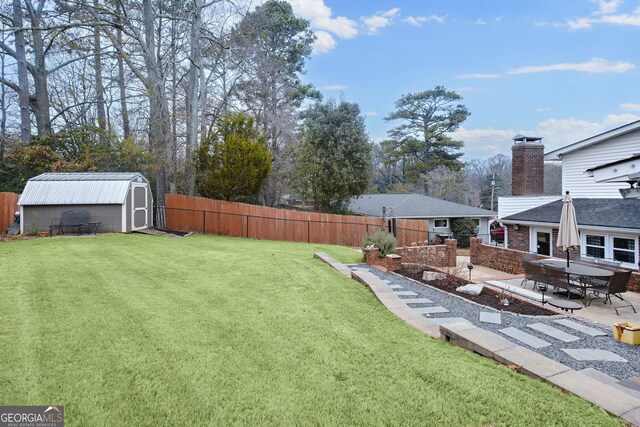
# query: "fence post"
{"type": "Point", "coordinates": [204, 219]}
{"type": "Point", "coordinates": [246, 218]}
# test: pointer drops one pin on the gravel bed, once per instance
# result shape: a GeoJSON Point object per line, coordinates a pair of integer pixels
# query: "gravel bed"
{"type": "Point", "coordinates": [463, 308]}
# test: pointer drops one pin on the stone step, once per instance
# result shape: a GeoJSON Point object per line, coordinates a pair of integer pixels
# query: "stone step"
{"type": "Point", "coordinates": [518, 290]}
{"type": "Point", "coordinates": [528, 339]}
{"type": "Point", "coordinates": [488, 317]}
{"type": "Point", "coordinates": [598, 375]}
{"type": "Point", "coordinates": [417, 301]}
{"type": "Point", "coordinates": [393, 286]}
{"type": "Point", "coordinates": [450, 321]}
{"type": "Point", "coordinates": [623, 386]}
{"type": "Point", "coordinates": [431, 310]}
{"type": "Point", "coordinates": [553, 332]}
{"type": "Point", "coordinates": [406, 293]}
{"type": "Point", "coordinates": [584, 354]}
{"type": "Point", "coordinates": [593, 332]}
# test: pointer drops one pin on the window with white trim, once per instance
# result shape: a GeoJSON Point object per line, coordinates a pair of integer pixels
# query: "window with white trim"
{"type": "Point", "coordinates": [624, 249]}
{"type": "Point", "coordinates": [441, 223]}
{"type": "Point", "coordinates": [595, 246]}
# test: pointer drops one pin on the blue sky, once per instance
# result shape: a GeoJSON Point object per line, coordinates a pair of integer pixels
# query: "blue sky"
{"type": "Point", "coordinates": [564, 70]}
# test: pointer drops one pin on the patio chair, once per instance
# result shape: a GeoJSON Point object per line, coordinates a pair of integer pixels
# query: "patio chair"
{"type": "Point", "coordinates": [558, 278]}
{"type": "Point", "coordinates": [529, 256]}
{"type": "Point", "coordinates": [533, 272]}
{"type": "Point", "coordinates": [608, 264]}
{"type": "Point", "coordinates": [582, 259]}
{"type": "Point", "coordinates": [616, 286]}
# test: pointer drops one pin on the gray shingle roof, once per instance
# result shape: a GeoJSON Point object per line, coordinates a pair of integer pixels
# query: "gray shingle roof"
{"type": "Point", "coordinates": [612, 213]}
{"type": "Point", "coordinates": [413, 205]}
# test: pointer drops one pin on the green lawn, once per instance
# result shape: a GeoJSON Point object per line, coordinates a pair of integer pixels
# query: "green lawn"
{"type": "Point", "coordinates": [142, 330]}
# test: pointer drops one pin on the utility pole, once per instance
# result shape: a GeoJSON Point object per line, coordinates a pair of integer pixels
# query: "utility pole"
{"type": "Point", "coordinates": [493, 188]}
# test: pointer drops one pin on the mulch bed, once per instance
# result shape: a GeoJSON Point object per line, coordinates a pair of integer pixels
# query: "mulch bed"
{"type": "Point", "coordinates": [488, 297]}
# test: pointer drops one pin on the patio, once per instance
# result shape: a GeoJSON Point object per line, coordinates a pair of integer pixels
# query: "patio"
{"type": "Point", "coordinates": [597, 312]}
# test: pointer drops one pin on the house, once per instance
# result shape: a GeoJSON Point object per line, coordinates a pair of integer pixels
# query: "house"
{"type": "Point", "coordinates": [601, 174]}
{"type": "Point", "coordinates": [437, 212]}
{"type": "Point", "coordinates": [121, 202]}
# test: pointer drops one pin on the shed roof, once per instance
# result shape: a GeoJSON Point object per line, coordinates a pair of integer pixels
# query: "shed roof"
{"type": "Point", "coordinates": [77, 189]}
{"type": "Point", "coordinates": [413, 206]}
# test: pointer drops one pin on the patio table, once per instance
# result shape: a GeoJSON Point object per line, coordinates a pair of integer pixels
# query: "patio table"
{"type": "Point", "coordinates": [585, 272]}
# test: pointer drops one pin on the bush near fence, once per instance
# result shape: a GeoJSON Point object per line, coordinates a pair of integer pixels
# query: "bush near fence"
{"type": "Point", "coordinates": [198, 214]}
{"type": "Point", "coordinates": [8, 208]}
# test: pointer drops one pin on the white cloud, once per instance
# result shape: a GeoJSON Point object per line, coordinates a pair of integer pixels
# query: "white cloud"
{"type": "Point", "coordinates": [324, 42]}
{"type": "Point", "coordinates": [477, 76]}
{"type": "Point", "coordinates": [335, 87]}
{"type": "Point", "coordinates": [371, 113]}
{"type": "Point", "coordinates": [605, 14]}
{"type": "Point", "coordinates": [374, 23]}
{"type": "Point", "coordinates": [480, 21]}
{"type": "Point", "coordinates": [630, 107]}
{"type": "Point", "coordinates": [324, 24]}
{"type": "Point", "coordinates": [606, 7]}
{"type": "Point", "coordinates": [556, 133]}
{"type": "Point", "coordinates": [543, 110]}
{"type": "Point", "coordinates": [417, 21]}
{"type": "Point", "coordinates": [594, 65]}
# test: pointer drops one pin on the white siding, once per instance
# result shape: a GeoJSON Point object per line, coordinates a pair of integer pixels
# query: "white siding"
{"type": "Point", "coordinates": [513, 205]}
{"type": "Point", "coordinates": [574, 164]}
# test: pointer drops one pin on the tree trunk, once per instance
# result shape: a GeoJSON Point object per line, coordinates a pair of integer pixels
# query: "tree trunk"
{"type": "Point", "coordinates": [126, 131]}
{"type": "Point", "coordinates": [159, 129]}
{"type": "Point", "coordinates": [192, 97]}
{"type": "Point", "coordinates": [97, 58]}
{"type": "Point", "coordinates": [173, 148]}
{"type": "Point", "coordinates": [41, 101]}
{"type": "Point", "coordinates": [23, 76]}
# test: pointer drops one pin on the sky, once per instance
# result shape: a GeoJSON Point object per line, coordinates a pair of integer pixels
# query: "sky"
{"type": "Point", "coordinates": [563, 70]}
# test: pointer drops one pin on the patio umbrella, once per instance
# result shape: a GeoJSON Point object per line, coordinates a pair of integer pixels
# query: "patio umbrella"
{"type": "Point", "coordinates": [568, 237]}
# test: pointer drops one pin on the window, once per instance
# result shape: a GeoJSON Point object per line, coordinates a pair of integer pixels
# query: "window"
{"type": "Point", "coordinates": [476, 221]}
{"type": "Point", "coordinates": [441, 223]}
{"type": "Point", "coordinates": [595, 246]}
{"type": "Point", "coordinates": [624, 250]}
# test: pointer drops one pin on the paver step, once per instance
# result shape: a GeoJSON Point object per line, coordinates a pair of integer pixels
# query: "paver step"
{"type": "Point", "coordinates": [417, 301]}
{"type": "Point", "coordinates": [528, 339]}
{"type": "Point", "coordinates": [406, 293]}
{"type": "Point", "coordinates": [450, 321]}
{"type": "Point", "coordinates": [393, 286]}
{"type": "Point", "coordinates": [594, 354]}
{"type": "Point", "coordinates": [580, 327]}
{"type": "Point", "coordinates": [553, 332]}
{"type": "Point", "coordinates": [488, 317]}
{"type": "Point", "coordinates": [431, 310]}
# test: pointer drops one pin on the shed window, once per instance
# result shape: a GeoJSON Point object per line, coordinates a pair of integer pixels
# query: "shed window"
{"type": "Point", "coordinates": [441, 223]}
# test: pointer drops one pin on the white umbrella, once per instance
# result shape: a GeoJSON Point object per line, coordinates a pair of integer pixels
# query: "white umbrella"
{"type": "Point", "coordinates": [568, 237]}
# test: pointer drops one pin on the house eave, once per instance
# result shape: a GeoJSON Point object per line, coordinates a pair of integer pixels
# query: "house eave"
{"type": "Point", "coordinates": [580, 226]}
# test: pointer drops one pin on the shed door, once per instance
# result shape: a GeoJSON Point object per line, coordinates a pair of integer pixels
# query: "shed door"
{"type": "Point", "coordinates": [139, 204]}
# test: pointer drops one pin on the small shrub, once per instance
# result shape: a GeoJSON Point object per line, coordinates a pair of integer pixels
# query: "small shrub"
{"type": "Point", "coordinates": [463, 229]}
{"type": "Point", "coordinates": [385, 242]}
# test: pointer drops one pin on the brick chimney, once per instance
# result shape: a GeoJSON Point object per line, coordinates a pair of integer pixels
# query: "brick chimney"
{"type": "Point", "coordinates": [527, 166]}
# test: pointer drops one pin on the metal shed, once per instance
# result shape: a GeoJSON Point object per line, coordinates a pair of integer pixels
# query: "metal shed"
{"type": "Point", "coordinates": [122, 202]}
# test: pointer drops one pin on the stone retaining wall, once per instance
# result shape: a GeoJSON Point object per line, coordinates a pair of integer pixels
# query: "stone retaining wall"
{"type": "Point", "coordinates": [434, 255]}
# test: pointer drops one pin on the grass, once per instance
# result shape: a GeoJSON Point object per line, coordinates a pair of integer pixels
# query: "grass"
{"type": "Point", "coordinates": [142, 330]}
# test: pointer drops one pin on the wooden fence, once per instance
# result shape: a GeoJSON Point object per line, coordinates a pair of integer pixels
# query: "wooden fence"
{"type": "Point", "coordinates": [8, 207]}
{"type": "Point", "coordinates": [188, 213]}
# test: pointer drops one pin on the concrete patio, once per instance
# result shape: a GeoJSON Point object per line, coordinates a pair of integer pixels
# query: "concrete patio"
{"type": "Point", "coordinates": [597, 312]}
